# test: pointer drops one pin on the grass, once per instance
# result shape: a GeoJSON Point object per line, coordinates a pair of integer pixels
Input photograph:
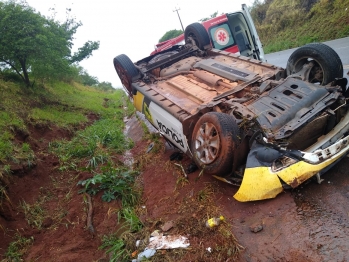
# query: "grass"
{"type": "Point", "coordinates": [17, 248]}
{"type": "Point", "coordinates": [95, 143]}
{"type": "Point", "coordinates": [286, 26]}
{"type": "Point", "coordinates": [57, 115]}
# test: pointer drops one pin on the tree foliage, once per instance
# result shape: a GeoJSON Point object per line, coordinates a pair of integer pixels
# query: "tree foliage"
{"type": "Point", "coordinates": [210, 17]}
{"type": "Point", "coordinates": [170, 34]}
{"type": "Point", "coordinates": [36, 46]}
{"type": "Point", "coordinates": [87, 79]}
{"type": "Point", "coordinates": [105, 86]}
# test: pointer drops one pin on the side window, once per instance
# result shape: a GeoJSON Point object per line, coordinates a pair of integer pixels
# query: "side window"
{"type": "Point", "coordinates": [221, 36]}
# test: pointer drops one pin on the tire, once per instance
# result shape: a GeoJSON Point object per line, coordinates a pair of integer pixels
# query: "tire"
{"type": "Point", "coordinates": [127, 72]}
{"type": "Point", "coordinates": [327, 64]}
{"type": "Point", "coordinates": [214, 139]}
{"type": "Point", "coordinates": [198, 32]}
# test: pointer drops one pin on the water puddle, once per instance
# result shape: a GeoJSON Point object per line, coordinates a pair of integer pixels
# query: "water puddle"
{"type": "Point", "coordinates": [134, 131]}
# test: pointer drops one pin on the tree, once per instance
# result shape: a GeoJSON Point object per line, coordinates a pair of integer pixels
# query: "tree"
{"type": "Point", "coordinates": [170, 34]}
{"type": "Point", "coordinates": [31, 44]}
{"type": "Point", "coordinates": [87, 79]}
{"type": "Point", "coordinates": [208, 18]}
{"type": "Point", "coordinates": [105, 86]}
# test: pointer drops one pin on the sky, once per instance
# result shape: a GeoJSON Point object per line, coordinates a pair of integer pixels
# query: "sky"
{"type": "Point", "coordinates": [130, 27]}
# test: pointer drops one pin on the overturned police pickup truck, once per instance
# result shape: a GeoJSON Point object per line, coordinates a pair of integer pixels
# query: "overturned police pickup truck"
{"type": "Point", "coordinates": [244, 121]}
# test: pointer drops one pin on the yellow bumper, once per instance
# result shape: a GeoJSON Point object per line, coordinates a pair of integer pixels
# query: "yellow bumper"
{"type": "Point", "coordinates": [261, 183]}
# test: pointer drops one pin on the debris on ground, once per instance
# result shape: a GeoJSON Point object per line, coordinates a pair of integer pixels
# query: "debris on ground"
{"type": "Point", "coordinates": [147, 253]}
{"type": "Point", "coordinates": [214, 221]}
{"type": "Point", "coordinates": [159, 241]}
{"type": "Point", "coordinates": [168, 242]}
{"type": "Point", "coordinates": [182, 168]}
{"type": "Point", "coordinates": [89, 214]}
{"type": "Point", "coordinates": [256, 227]}
{"type": "Point", "coordinates": [150, 147]}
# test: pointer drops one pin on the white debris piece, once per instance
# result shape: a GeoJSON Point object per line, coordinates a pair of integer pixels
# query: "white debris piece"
{"type": "Point", "coordinates": [168, 242]}
{"type": "Point", "coordinates": [147, 253]}
{"type": "Point", "coordinates": [162, 242]}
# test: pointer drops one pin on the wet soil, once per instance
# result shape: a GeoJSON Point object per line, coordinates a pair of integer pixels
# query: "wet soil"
{"type": "Point", "coordinates": [310, 223]}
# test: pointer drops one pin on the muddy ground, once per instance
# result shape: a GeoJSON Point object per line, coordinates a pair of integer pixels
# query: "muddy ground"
{"type": "Point", "coordinates": [310, 223]}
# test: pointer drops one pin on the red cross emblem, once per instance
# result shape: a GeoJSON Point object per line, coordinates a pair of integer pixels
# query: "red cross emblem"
{"type": "Point", "coordinates": [222, 36]}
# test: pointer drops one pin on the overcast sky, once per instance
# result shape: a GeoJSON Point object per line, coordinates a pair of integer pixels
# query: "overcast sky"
{"type": "Point", "coordinates": [130, 27]}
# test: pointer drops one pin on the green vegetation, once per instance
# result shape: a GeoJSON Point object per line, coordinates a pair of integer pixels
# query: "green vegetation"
{"type": "Point", "coordinates": [115, 183]}
{"type": "Point", "coordinates": [35, 213]}
{"type": "Point", "coordinates": [62, 105]}
{"type": "Point", "coordinates": [115, 247]}
{"type": "Point", "coordinates": [130, 218]}
{"type": "Point", "coordinates": [283, 24]}
{"type": "Point", "coordinates": [95, 143]}
{"type": "Point", "coordinates": [170, 34]}
{"type": "Point", "coordinates": [33, 46]}
{"type": "Point", "coordinates": [94, 120]}
{"type": "Point", "coordinates": [18, 247]}
{"type": "Point", "coordinates": [60, 96]}
{"type": "Point", "coordinates": [210, 17]}
{"type": "Point", "coordinates": [57, 115]}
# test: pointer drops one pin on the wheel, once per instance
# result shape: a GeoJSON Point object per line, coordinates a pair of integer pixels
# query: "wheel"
{"type": "Point", "coordinates": [326, 64]}
{"type": "Point", "coordinates": [214, 140]}
{"type": "Point", "coordinates": [198, 32]}
{"type": "Point", "coordinates": [127, 71]}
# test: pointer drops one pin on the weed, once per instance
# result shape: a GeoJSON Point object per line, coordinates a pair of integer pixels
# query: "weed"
{"type": "Point", "coordinates": [34, 214]}
{"type": "Point", "coordinates": [206, 194]}
{"type": "Point", "coordinates": [115, 182]}
{"type": "Point", "coordinates": [181, 181]}
{"type": "Point", "coordinates": [132, 221]}
{"type": "Point", "coordinates": [18, 247]}
{"type": "Point", "coordinates": [96, 160]}
{"type": "Point", "coordinates": [25, 147]}
{"type": "Point", "coordinates": [115, 247]}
